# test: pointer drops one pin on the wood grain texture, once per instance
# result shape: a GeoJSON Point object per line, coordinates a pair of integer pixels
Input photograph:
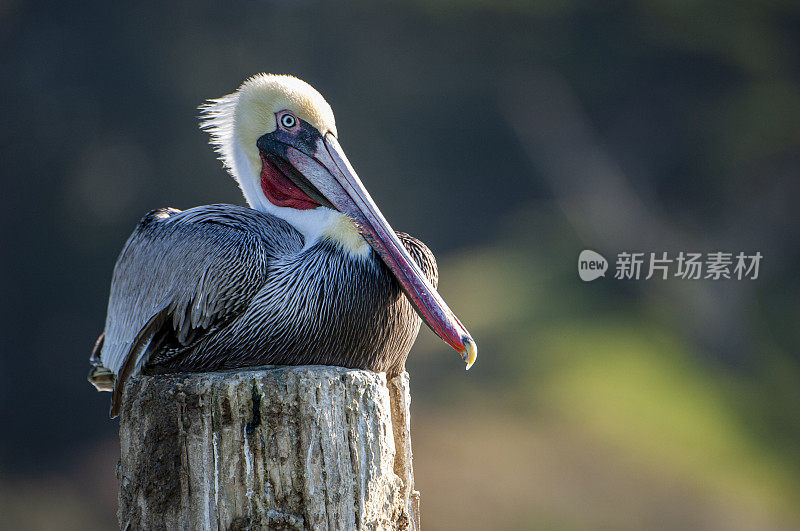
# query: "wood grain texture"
{"type": "Point", "coordinates": [310, 447]}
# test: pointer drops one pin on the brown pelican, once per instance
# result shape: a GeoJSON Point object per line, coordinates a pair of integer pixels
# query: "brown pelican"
{"type": "Point", "coordinates": [311, 273]}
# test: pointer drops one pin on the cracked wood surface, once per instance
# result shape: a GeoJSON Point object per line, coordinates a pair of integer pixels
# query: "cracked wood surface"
{"type": "Point", "coordinates": [272, 448]}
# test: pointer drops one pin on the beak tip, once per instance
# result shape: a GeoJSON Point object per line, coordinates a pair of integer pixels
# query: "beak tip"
{"type": "Point", "coordinates": [470, 351]}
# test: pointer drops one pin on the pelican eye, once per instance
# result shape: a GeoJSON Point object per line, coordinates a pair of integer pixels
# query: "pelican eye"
{"type": "Point", "coordinates": [288, 121]}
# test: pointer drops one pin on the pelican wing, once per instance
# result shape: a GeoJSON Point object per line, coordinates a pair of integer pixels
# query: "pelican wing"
{"type": "Point", "coordinates": [182, 275]}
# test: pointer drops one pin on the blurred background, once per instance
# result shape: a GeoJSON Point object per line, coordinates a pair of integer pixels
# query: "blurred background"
{"type": "Point", "coordinates": [509, 136]}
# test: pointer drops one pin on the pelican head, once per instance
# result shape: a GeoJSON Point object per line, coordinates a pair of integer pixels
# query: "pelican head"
{"type": "Point", "coordinates": [277, 137]}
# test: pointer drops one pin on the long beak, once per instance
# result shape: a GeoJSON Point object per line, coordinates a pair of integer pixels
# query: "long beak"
{"type": "Point", "coordinates": [331, 173]}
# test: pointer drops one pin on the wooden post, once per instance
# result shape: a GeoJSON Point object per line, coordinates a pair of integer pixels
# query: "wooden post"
{"type": "Point", "coordinates": [271, 448]}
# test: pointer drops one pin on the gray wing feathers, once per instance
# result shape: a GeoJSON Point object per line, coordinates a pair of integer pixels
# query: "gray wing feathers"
{"type": "Point", "coordinates": [135, 358]}
{"type": "Point", "coordinates": [193, 270]}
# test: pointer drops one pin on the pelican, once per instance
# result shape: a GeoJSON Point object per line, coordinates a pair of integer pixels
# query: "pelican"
{"type": "Point", "coordinates": [310, 274]}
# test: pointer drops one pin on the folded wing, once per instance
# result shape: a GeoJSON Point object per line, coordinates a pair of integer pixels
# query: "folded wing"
{"type": "Point", "coordinates": [183, 275]}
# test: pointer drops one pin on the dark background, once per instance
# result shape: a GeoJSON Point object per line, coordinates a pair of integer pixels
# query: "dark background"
{"type": "Point", "coordinates": [508, 136]}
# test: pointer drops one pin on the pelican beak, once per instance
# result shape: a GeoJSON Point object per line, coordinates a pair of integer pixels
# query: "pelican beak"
{"type": "Point", "coordinates": [326, 167]}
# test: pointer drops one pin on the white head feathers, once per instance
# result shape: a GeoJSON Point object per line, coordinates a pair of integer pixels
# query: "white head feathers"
{"type": "Point", "coordinates": [236, 121]}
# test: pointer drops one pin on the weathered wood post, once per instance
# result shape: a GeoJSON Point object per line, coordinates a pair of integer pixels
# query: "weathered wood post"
{"type": "Point", "coordinates": [270, 448]}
